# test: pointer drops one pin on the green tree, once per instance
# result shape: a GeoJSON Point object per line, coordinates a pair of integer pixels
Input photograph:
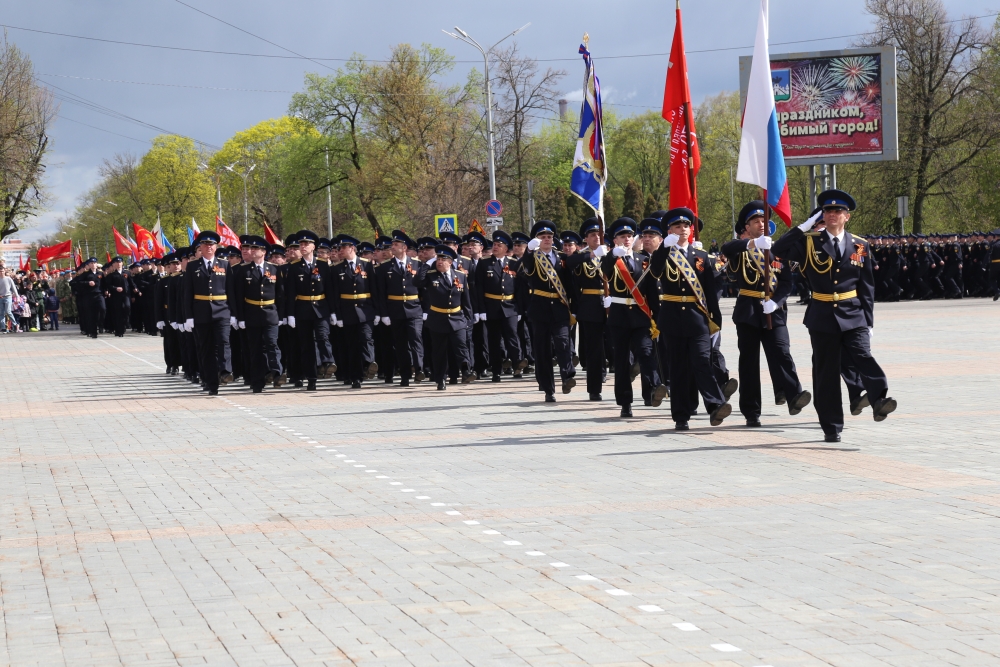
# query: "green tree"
{"type": "Point", "coordinates": [172, 186]}
{"type": "Point", "coordinates": [633, 201]}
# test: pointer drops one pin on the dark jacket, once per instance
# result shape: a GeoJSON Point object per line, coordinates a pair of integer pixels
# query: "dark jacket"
{"type": "Point", "coordinates": [588, 287]}
{"type": "Point", "coordinates": [624, 314]}
{"type": "Point", "coordinates": [398, 289]}
{"type": "Point", "coordinates": [447, 300]}
{"type": "Point", "coordinates": [205, 295]}
{"type": "Point", "coordinates": [258, 295]}
{"type": "Point", "coordinates": [749, 277]}
{"type": "Point", "coordinates": [354, 292]}
{"type": "Point", "coordinates": [495, 288]}
{"type": "Point", "coordinates": [685, 318]}
{"type": "Point", "coordinates": [543, 305]}
{"type": "Point", "coordinates": [306, 290]}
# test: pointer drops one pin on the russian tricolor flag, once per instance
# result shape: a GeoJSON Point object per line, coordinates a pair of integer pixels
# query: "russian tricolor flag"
{"type": "Point", "coordinates": [761, 160]}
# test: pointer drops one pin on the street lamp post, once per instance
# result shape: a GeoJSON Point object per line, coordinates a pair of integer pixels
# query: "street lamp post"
{"type": "Point", "coordinates": [246, 201]}
{"type": "Point", "coordinates": [463, 36]}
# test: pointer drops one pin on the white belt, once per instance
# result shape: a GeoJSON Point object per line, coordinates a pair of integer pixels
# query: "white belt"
{"type": "Point", "coordinates": [625, 301]}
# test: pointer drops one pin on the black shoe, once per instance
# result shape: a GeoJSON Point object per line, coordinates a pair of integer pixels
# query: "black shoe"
{"type": "Point", "coordinates": [452, 380]}
{"type": "Point", "coordinates": [518, 375]}
{"type": "Point", "coordinates": [659, 394]}
{"type": "Point", "coordinates": [468, 377]}
{"type": "Point", "coordinates": [280, 380]}
{"type": "Point", "coordinates": [311, 386]}
{"type": "Point", "coordinates": [298, 384]}
{"type": "Point", "coordinates": [648, 402]}
{"type": "Point", "coordinates": [800, 401]}
{"type": "Point", "coordinates": [550, 398]}
{"type": "Point", "coordinates": [720, 413]}
{"type": "Point", "coordinates": [269, 377]}
{"type": "Point", "coordinates": [596, 397]}
{"type": "Point", "coordinates": [329, 370]}
{"type": "Point", "coordinates": [387, 381]}
{"type": "Point", "coordinates": [882, 407]}
{"type": "Point", "coordinates": [213, 392]}
{"type": "Point", "coordinates": [372, 371]}
{"type": "Point", "coordinates": [779, 398]}
{"type": "Point", "coordinates": [356, 384]}
{"type": "Point", "coordinates": [521, 365]}
{"type": "Point", "coordinates": [754, 423]}
{"type": "Point", "coordinates": [576, 360]}
{"type": "Point", "coordinates": [831, 437]}
{"type": "Point", "coordinates": [568, 384]}
{"type": "Point", "coordinates": [496, 378]}
{"type": "Point", "coordinates": [506, 365]}
{"type": "Point", "coordinates": [858, 407]}
{"type": "Point", "coordinates": [626, 411]}
{"type": "Point", "coordinates": [169, 368]}
{"type": "Point", "coordinates": [419, 376]}
{"type": "Point", "coordinates": [405, 382]}
{"type": "Point", "coordinates": [441, 386]}
{"type": "Point", "coordinates": [682, 426]}
{"type": "Point", "coordinates": [731, 386]}
{"type": "Point", "coordinates": [225, 378]}
{"type": "Point", "coordinates": [258, 390]}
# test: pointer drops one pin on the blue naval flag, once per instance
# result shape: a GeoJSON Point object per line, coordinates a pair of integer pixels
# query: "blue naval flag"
{"type": "Point", "coordinates": [589, 166]}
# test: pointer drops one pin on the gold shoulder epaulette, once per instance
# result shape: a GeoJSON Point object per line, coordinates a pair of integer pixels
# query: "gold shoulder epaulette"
{"type": "Point", "coordinates": [295, 261]}
{"type": "Point", "coordinates": [338, 262]}
{"type": "Point", "coordinates": [468, 258]}
{"type": "Point", "coordinates": [812, 233]}
{"type": "Point", "coordinates": [362, 259]}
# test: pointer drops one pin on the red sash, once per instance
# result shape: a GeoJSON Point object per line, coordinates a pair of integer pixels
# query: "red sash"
{"type": "Point", "coordinates": [637, 296]}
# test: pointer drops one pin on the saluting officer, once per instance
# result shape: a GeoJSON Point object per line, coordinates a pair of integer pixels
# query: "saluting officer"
{"type": "Point", "coordinates": [841, 313]}
{"type": "Point", "coordinates": [689, 316]}
{"type": "Point", "coordinates": [399, 280]}
{"type": "Point", "coordinates": [447, 308]}
{"type": "Point", "coordinates": [495, 291]}
{"type": "Point", "coordinates": [352, 288]}
{"type": "Point", "coordinates": [206, 312]}
{"type": "Point", "coordinates": [307, 283]}
{"type": "Point", "coordinates": [754, 306]}
{"type": "Point", "coordinates": [258, 295]}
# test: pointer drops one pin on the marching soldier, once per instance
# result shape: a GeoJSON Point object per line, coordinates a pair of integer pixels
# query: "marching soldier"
{"type": "Point", "coordinates": [548, 310]}
{"type": "Point", "coordinates": [352, 289]}
{"type": "Point", "coordinates": [590, 311]}
{"type": "Point", "coordinates": [90, 301]}
{"type": "Point", "coordinates": [399, 282]}
{"type": "Point", "coordinates": [161, 304]}
{"type": "Point", "coordinates": [841, 313]}
{"type": "Point", "coordinates": [689, 316]}
{"type": "Point", "coordinates": [305, 289]}
{"type": "Point", "coordinates": [116, 292]}
{"type": "Point", "coordinates": [257, 299]}
{"type": "Point", "coordinates": [760, 315]}
{"type": "Point", "coordinates": [495, 290]}
{"type": "Point", "coordinates": [206, 312]}
{"type": "Point", "coordinates": [447, 309]}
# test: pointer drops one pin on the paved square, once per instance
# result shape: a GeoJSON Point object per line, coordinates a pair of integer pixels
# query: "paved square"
{"type": "Point", "coordinates": [143, 523]}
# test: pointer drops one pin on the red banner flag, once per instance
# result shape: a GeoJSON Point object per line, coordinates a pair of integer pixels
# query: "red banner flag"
{"type": "Point", "coordinates": [47, 254]}
{"type": "Point", "coordinates": [78, 259]}
{"type": "Point", "coordinates": [147, 244]}
{"type": "Point", "coordinates": [685, 158]}
{"type": "Point", "coordinates": [226, 234]}
{"type": "Point", "coordinates": [21, 263]}
{"type": "Point", "coordinates": [271, 237]}
{"type": "Point", "coordinates": [123, 245]}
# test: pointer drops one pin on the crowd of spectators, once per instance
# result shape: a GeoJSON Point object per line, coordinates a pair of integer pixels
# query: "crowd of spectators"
{"type": "Point", "coordinates": [33, 301]}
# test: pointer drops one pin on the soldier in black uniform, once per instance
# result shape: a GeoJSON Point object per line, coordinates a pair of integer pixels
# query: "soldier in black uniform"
{"type": "Point", "coordinates": [353, 289]}
{"type": "Point", "coordinates": [588, 301]}
{"type": "Point", "coordinates": [258, 301]}
{"type": "Point", "coordinates": [206, 312]}
{"type": "Point", "coordinates": [306, 290]}
{"type": "Point", "coordinates": [548, 309]}
{"type": "Point", "coordinates": [447, 309]}
{"type": "Point", "coordinates": [161, 304]}
{"type": "Point", "coordinates": [754, 329]}
{"type": "Point", "coordinates": [116, 293]}
{"type": "Point", "coordinates": [841, 313]}
{"type": "Point", "coordinates": [399, 281]}
{"type": "Point", "coordinates": [689, 315]}
{"type": "Point", "coordinates": [494, 289]}
{"type": "Point", "coordinates": [90, 301]}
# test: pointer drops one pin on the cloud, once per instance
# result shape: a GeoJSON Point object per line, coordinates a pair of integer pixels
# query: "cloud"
{"type": "Point", "coordinates": [67, 177]}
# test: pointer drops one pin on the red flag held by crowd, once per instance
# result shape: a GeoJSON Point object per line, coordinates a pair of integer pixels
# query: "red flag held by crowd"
{"type": "Point", "coordinates": [270, 236]}
{"type": "Point", "coordinates": [685, 158]}
{"type": "Point", "coordinates": [225, 233]}
{"type": "Point", "coordinates": [147, 244]}
{"type": "Point", "coordinates": [47, 254]}
{"type": "Point", "coordinates": [22, 264]}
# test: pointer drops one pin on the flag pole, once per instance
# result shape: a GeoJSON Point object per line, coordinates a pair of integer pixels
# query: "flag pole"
{"type": "Point", "coordinates": [767, 261]}
{"type": "Point", "coordinates": [690, 151]}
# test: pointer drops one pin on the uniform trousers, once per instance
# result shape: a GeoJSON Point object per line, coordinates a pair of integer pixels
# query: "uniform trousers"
{"type": "Point", "coordinates": [660, 356]}
{"type": "Point", "coordinates": [450, 353]}
{"type": "Point", "coordinates": [408, 345]}
{"type": "Point", "coordinates": [502, 333]}
{"type": "Point", "coordinates": [313, 338]}
{"type": "Point", "coordinates": [95, 311]}
{"type": "Point", "coordinates": [481, 351]}
{"type": "Point", "coordinates": [781, 367]}
{"type": "Point", "coordinates": [212, 339]}
{"type": "Point", "coordinates": [360, 349]}
{"type": "Point", "coordinates": [189, 352]}
{"type": "Point", "coordinates": [629, 343]}
{"type": "Point", "coordinates": [691, 370]}
{"type": "Point", "coordinates": [546, 338]}
{"type": "Point", "coordinates": [172, 356]}
{"type": "Point", "coordinates": [828, 349]}
{"type": "Point", "coordinates": [238, 353]}
{"type": "Point", "coordinates": [524, 335]}
{"type": "Point", "coordinates": [385, 355]}
{"type": "Point", "coordinates": [592, 346]}
{"type": "Point", "coordinates": [262, 350]}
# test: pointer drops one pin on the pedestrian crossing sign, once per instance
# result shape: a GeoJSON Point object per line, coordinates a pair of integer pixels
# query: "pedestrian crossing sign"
{"type": "Point", "coordinates": [445, 223]}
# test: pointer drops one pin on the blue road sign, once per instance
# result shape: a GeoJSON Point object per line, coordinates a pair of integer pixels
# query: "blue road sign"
{"type": "Point", "coordinates": [445, 223]}
{"type": "Point", "coordinates": [493, 208]}
{"type": "Point", "coordinates": [771, 227]}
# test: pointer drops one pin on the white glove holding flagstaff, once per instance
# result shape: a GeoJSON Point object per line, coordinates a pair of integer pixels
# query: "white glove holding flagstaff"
{"type": "Point", "coordinates": [333, 319]}
{"type": "Point", "coordinates": [671, 240]}
{"type": "Point", "coordinates": [340, 323]}
{"type": "Point", "coordinates": [160, 325]}
{"type": "Point", "coordinates": [533, 244]}
{"type": "Point", "coordinates": [386, 321]}
{"type": "Point", "coordinates": [189, 325]}
{"type": "Point", "coordinates": [480, 317]}
{"type": "Point", "coordinates": [762, 243]}
{"type": "Point", "coordinates": [425, 317]}
{"type": "Point", "coordinates": [377, 320]}
{"type": "Point", "coordinates": [243, 325]}
{"type": "Point", "coordinates": [600, 251]}
{"type": "Point", "coordinates": [619, 251]}
{"type": "Point", "coordinates": [291, 321]}
{"type": "Point", "coordinates": [607, 302]}
{"type": "Point", "coordinates": [811, 222]}
{"type": "Point", "coordinates": [769, 307]}
{"type": "Point", "coordinates": [233, 323]}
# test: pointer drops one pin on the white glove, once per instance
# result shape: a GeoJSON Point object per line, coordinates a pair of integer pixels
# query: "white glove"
{"type": "Point", "coordinates": [619, 251]}
{"type": "Point", "coordinates": [291, 321]}
{"type": "Point", "coordinates": [243, 325]}
{"type": "Point", "coordinates": [340, 323]}
{"type": "Point", "coordinates": [871, 335]}
{"type": "Point", "coordinates": [716, 337]}
{"type": "Point", "coordinates": [671, 240]}
{"type": "Point", "coordinates": [333, 319]}
{"type": "Point", "coordinates": [480, 317]}
{"type": "Point", "coordinates": [159, 325]}
{"type": "Point", "coordinates": [283, 322]}
{"type": "Point", "coordinates": [377, 320]}
{"type": "Point", "coordinates": [533, 244]}
{"type": "Point", "coordinates": [189, 325]}
{"type": "Point", "coordinates": [762, 243]}
{"type": "Point", "coordinates": [698, 245]}
{"type": "Point", "coordinates": [811, 222]}
{"type": "Point", "coordinates": [233, 323]}
{"type": "Point", "coordinates": [600, 251]}
{"type": "Point", "coordinates": [173, 325]}
{"type": "Point", "coordinates": [431, 261]}
{"type": "Point", "coordinates": [386, 321]}
{"type": "Point", "coordinates": [607, 302]}
{"type": "Point", "coordinates": [518, 318]}
{"type": "Point", "coordinates": [769, 307]}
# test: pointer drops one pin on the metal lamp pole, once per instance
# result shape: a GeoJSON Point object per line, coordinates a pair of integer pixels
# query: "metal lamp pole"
{"type": "Point", "coordinates": [246, 201]}
{"type": "Point", "coordinates": [464, 37]}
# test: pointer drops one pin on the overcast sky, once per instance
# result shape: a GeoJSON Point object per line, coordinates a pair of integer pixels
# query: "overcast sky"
{"type": "Point", "coordinates": [187, 96]}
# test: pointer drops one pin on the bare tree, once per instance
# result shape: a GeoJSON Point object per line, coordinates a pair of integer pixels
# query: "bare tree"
{"type": "Point", "coordinates": [944, 98]}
